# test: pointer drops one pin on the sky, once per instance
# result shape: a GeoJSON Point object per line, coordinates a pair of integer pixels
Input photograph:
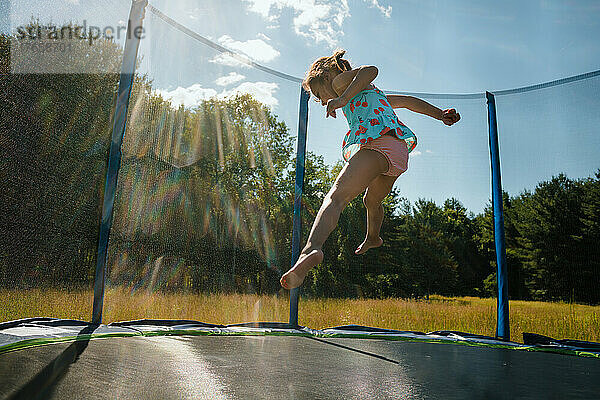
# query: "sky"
{"type": "Point", "coordinates": [423, 46]}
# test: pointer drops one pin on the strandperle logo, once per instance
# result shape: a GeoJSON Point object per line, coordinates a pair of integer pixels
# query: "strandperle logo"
{"type": "Point", "coordinates": [69, 49]}
{"type": "Point", "coordinates": [89, 33]}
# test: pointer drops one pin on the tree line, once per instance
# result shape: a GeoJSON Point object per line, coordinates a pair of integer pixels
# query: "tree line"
{"type": "Point", "coordinates": [205, 203]}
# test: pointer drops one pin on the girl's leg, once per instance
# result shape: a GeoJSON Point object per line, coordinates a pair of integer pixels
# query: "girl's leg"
{"type": "Point", "coordinates": [378, 189]}
{"type": "Point", "coordinates": [353, 179]}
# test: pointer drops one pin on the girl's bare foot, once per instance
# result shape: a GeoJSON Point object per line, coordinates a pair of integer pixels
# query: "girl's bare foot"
{"type": "Point", "coordinates": [368, 244]}
{"type": "Point", "coordinates": [295, 276]}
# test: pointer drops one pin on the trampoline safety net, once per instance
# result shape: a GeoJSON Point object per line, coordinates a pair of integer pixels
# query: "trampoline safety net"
{"type": "Point", "coordinates": [204, 205]}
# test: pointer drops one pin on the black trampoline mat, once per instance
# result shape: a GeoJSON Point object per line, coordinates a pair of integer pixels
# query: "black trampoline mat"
{"type": "Point", "coordinates": [290, 367]}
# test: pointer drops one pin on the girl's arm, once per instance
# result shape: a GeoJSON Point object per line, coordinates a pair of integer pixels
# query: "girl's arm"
{"type": "Point", "coordinates": [348, 84]}
{"type": "Point", "coordinates": [414, 104]}
{"type": "Point", "coordinates": [417, 105]}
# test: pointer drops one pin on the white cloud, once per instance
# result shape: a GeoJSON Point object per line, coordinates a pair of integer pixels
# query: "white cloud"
{"type": "Point", "coordinates": [317, 20]}
{"type": "Point", "coordinates": [255, 49]}
{"type": "Point", "coordinates": [230, 79]}
{"type": "Point", "coordinates": [261, 91]}
{"type": "Point", "coordinates": [196, 13]}
{"type": "Point", "coordinates": [192, 96]}
{"type": "Point", "coordinates": [225, 59]}
{"type": "Point", "coordinates": [386, 11]}
{"type": "Point", "coordinates": [263, 36]}
{"type": "Point", "coordinates": [263, 7]}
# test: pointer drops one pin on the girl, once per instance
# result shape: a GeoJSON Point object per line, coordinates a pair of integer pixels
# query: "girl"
{"type": "Point", "coordinates": [376, 150]}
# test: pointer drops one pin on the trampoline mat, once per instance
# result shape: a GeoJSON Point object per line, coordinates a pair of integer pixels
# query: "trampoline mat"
{"type": "Point", "coordinates": [289, 367]}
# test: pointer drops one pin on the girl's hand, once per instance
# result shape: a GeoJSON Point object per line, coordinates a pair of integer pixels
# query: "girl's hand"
{"type": "Point", "coordinates": [333, 104]}
{"type": "Point", "coordinates": [450, 116]}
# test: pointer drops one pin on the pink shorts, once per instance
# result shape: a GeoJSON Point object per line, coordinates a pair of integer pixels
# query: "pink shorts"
{"type": "Point", "coordinates": [394, 150]}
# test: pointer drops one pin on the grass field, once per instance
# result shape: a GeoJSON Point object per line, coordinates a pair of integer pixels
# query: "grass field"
{"type": "Point", "coordinates": [467, 314]}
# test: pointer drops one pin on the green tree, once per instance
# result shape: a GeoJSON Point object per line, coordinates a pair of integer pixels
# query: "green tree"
{"type": "Point", "coordinates": [550, 231]}
{"type": "Point", "coordinates": [430, 261]}
{"type": "Point", "coordinates": [459, 230]}
{"type": "Point", "coordinates": [55, 135]}
{"type": "Point", "coordinates": [590, 218]}
{"type": "Point", "coordinates": [484, 237]}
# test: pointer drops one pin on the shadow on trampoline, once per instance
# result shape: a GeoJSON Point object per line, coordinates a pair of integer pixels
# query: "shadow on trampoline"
{"type": "Point", "coordinates": [355, 350]}
{"type": "Point", "coordinates": [43, 384]}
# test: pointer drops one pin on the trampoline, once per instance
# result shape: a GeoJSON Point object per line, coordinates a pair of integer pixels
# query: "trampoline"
{"type": "Point", "coordinates": [182, 197]}
{"type": "Point", "coordinates": [187, 359]}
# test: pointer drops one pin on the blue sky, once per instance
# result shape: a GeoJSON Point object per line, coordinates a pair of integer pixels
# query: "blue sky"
{"type": "Point", "coordinates": [419, 46]}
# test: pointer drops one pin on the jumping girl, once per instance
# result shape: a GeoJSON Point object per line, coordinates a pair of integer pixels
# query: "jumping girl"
{"type": "Point", "coordinates": [375, 148]}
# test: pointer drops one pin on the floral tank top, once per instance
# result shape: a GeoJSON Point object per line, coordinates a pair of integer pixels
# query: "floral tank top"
{"type": "Point", "coordinates": [369, 116]}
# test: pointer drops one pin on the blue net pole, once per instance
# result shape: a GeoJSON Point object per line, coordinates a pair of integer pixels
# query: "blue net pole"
{"type": "Point", "coordinates": [299, 186]}
{"type": "Point", "coordinates": [502, 329]}
{"type": "Point", "coordinates": [134, 33]}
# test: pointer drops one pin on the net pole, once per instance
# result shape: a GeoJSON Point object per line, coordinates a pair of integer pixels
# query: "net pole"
{"type": "Point", "coordinates": [132, 42]}
{"type": "Point", "coordinates": [502, 327]}
{"type": "Point", "coordinates": [298, 188]}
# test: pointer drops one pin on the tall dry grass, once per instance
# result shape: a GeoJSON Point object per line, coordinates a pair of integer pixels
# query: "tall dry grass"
{"type": "Point", "coordinates": [467, 314]}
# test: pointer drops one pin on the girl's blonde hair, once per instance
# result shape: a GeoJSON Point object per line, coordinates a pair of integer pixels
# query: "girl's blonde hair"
{"type": "Point", "coordinates": [320, 70]}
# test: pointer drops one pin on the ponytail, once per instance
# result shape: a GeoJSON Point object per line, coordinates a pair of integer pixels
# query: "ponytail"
{"type": "Point", "coordinates": [342, 64]}
{"type": "Point", "coordinates": [321, 68]}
